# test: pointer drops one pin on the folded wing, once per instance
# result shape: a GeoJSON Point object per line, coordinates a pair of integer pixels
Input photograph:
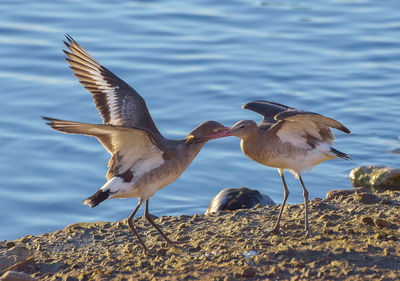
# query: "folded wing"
{"type": "Point", "coordinates": [267, 109]}
{"type": "Point", "coordinates": [118, 103]}
{"type": "Point", "coordinates": [126, 145]}
{"type": "Point", "coordinates": [306, 129]}
{"type": "Point", "coordinates": [303, 129]}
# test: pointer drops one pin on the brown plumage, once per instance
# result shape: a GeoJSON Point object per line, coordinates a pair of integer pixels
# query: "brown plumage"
{"type": "Point", "coordinates": [142, 160]}
{"type": "Point", "coordinates": [289, 139]}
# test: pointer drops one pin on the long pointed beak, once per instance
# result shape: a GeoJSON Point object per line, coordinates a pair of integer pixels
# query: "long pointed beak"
{"type": "Point", "coordinates": [226, 132]}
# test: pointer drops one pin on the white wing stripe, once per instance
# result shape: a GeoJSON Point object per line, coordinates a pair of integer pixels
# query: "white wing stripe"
{"type": "Point", "coordinates": [113, 105]}
{"type": "Point", "coordinates": [111, 94]}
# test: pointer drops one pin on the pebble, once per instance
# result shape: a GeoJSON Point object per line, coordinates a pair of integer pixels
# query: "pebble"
{"type": "Point", "coordinates": [248, 272]}
{"type": "Point", "coordinates": [336, 193]}
{"type": "Point", "coordinates": [329, 216]}
{"type": "Point", "coordinates": [366, 198]}
{"type": "Point", "coordinates": [380, 222]}
{"type": "Point", "coordinates": [162, 252]}
{"type": "Point", "coordinates": [329, 224]}
{"type": "Point", "coordinates": [367, 220]}
{"type": "Point", "coordinates": [297, 263]}
{"type": "Point", "coordinates": [328, 231]}
{"type": "Point", "coordinates": [182, 226]}
{"type": "Point", "coordinates": [350, 231]}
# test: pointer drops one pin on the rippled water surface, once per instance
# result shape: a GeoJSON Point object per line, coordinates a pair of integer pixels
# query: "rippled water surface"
{"type": "Point", "coordinates": [192, 61]}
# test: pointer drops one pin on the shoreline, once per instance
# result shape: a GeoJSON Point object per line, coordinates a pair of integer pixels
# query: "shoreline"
{"type": "Point", "coordinates": [354, 237]}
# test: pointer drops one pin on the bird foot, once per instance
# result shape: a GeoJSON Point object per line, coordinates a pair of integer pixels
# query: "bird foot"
{"type": "Point", "coordinates": [146, 250]}
{"type": "Point", "coordinates": [308, 232]}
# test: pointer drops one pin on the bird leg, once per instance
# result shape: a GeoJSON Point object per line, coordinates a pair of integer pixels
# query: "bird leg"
{"type": "Point", "coordinates": [130, 223]}
{"type": "Point", "coordinates": [276, 228]}
{"type": "Point", "coordinates": [305, 195]}
{"type": "Point", "coordinates": [148, 217]}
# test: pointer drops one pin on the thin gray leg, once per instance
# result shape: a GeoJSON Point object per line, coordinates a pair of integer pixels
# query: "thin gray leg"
{"type": "Point", "coordinates": [276, 229]}
{"type": "Point", "coordinates": [130, 223]}
{"type": "Point", "coordinates": [305, 195]}
{"type": "Point", "coordinates": [148, 217]}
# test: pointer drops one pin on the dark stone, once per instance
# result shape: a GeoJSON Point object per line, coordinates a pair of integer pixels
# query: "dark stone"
{"type": "Point", "coordinates": [396, 150]}
{"type": "Point", "coordinates": [248, 272]}
{"type": "Point", "coordinates": [238, 198]}
{"type": "Point", "coordinates": [336, 193]}
{"type": "Point", "coordinates": [367, 220]}
{"type": "Point", "coordinates": [367, 198]}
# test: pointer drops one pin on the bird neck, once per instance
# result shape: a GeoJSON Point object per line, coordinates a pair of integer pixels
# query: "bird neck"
{"type": "Point", "coordinates": [191, 149]}
{"type": "Point", "coordinates": [251, 133]}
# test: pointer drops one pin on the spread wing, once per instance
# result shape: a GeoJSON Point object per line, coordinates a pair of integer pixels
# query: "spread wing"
{"type": "Point", "coordinates": [267, 109]}
{"type": "Point", "coordinates": [306, 129]}
{"type": "Point", "coordinates": [303, 129]}
{"type": "Point", "coordinates": [118, 103]}
{"type": "Point", "coordinates": [126, 145]}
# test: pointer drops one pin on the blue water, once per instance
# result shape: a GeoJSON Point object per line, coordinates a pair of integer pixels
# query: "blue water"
{"type": "Point", "coordinates": [192, 61]}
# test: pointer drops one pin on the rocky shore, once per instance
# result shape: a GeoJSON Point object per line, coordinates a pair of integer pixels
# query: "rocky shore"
{"type": "Point", "coordinates": [355, 237]}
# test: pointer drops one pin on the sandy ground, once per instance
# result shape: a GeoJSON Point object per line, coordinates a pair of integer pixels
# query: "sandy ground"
{"type": "Point", "coordinates": [355, 237]}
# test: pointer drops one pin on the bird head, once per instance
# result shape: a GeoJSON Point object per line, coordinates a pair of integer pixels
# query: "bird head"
{"type": "Point", "coordinates": [241, 129]}
{"type": "Point", "coordinates": [206, 131]}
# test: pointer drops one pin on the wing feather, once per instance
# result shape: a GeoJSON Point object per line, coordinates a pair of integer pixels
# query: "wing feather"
{"type": "Point", "coordinates": [118, 103]}
{"type": "Point", "coordinates": [303, 129]}
{"type": "Point", "coordinates": [126, 145]}
{"type": "Point", "coordinates": [296, 115]}
{"type": "Point", "coordinates": [306, 129]}
{"type": "Point", "coordinates": [267, 109]}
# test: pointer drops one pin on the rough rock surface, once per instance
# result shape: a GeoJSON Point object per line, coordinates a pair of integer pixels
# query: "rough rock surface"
{"type": "Point", "coordinates": [12, 255]}
{"type": "Point", "coordinates": [16, 276]}
{"type": "Point", "coordinates": [353, 239]}
{"type": "Point", "coordinates": [376, 177]}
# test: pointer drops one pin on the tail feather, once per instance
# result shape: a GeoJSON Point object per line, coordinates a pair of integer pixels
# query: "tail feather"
{"type": "Point", "coordinates": [72, 127]}
{"type": "Point", "coordinates": [339, 154]}
{"type": "Point", "coordinates": [97, 198]}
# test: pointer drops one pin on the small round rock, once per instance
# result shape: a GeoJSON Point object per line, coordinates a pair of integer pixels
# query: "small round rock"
{"type": "Point", "coordinates": [380, 222]}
